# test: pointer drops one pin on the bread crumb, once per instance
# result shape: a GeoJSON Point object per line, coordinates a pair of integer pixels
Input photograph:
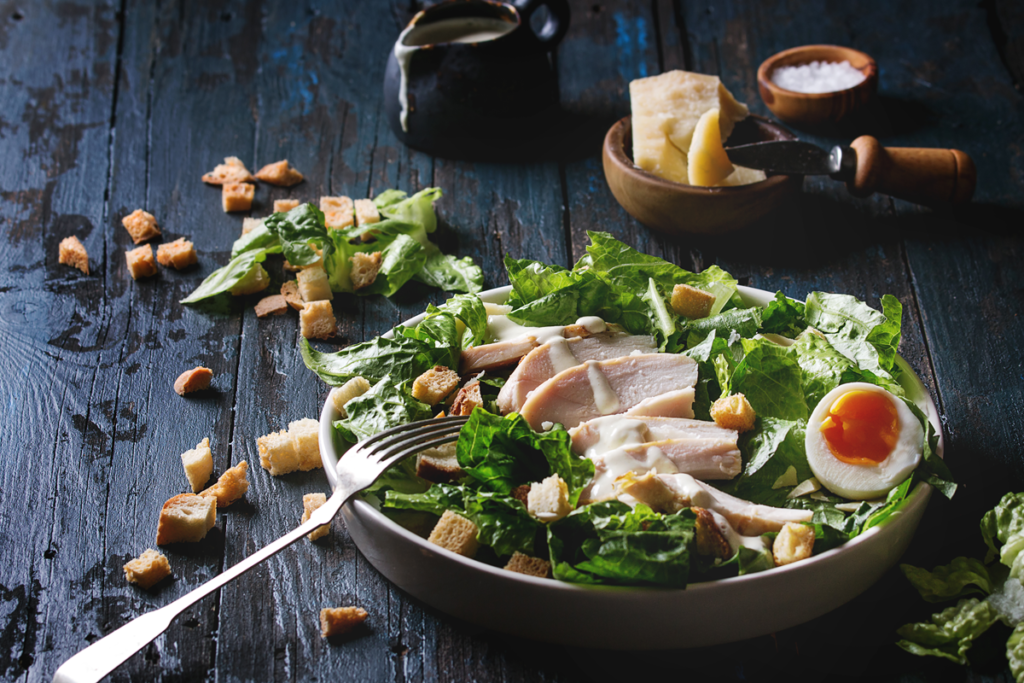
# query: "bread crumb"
{"type": "Point", "coordinates": [440, 465]}
{"type": "Point", "coordinates": [337, 620]}
{"type": "Point", "coordinates": [231, 171]}
{"type": "Point", "coordinates": [365, 267]}
{"type": "Point", "coordinates": [198, 464]}
{"type": "Point", "coordinates": [531, 566]}
{"type": "Point", "coordinates": [141, 225]}
{"type": "Point", "coordinates": [548, 501]}
{"type": "Point", "coordinates": [185, 519]}
{"type": "Point", "coordinates": [467, 399]}
{"type": "Point", "coordinates": [367, 214]}
{"type": "Point", "coordinates": [196, 379]}
{"type": "Point", "coordinates": [339, 396]}
{"type": "Point", "coordinates": [313, 284]}
{"type": "Point", "coordinates": [455, 533]}
{"type": "Point", "coordinates": [733, 412]}
{"type": "Point", "coordinates": [691, 302]}
{"type": "Point", "coordinates": [290, 292]}
{"type": "Point", "coordinates": [316, 320]}
{"type": "Point", "coordinates": [279, 173]}
{"type": "Point", "coordinates": [237, 196]}
{"type": "Point", "coordinates": [231, 485]}
{"type": "Point", "coordinates": [177, 254]}
{"type": "Point", "coordinates": [794, 543]}
{"type": "Point", "coordinates": [311, 502]}
{"type": "Point", "coordinates": [72, 253]}
{"type": "Point", "coordinates": [274, 304]}
{"type": "Point", "coordinates": [140, 262]}
{"type": "Point", "coordinates": [433, 385]}
{"type": "Point", "coordinates": [148, 569]}
{"type": "Point", "coordinates": [278, 454]}
{"type": "Point", "coordinates": [338, 212]}
{"type": "Point", "coordinates": [306, 435]}
{"type": "Point", "coordinates": [285, 205]}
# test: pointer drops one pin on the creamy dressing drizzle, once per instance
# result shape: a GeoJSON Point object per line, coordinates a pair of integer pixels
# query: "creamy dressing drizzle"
{"type": "Point", "coordinates": [736, 539]}
{"type": "Point", "coordinates": [560, 355]}
{"type": "Point", "coordinates": [604, 396]}
{"type": "Point", "coordinates": [612, 461]}
{"type": "Point", "coordinates": [501, 328]}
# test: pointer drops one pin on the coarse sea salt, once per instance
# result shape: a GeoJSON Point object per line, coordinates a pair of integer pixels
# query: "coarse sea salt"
{"type": "Point", "coordinates": [817, 77]}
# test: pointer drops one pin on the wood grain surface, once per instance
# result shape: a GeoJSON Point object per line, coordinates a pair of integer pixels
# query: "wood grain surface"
{"type": "Point", "coordinates": [107, 106]}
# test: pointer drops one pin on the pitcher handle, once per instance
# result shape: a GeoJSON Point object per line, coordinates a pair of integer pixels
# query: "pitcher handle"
{"type": "Point", "coordinates": [557, 22]}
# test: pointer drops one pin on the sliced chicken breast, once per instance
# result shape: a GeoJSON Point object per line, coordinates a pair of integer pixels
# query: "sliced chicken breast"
{"type": "Point", "coordinates": [497, 355]}
{"type": "Point", "coordinates": [590, 433]}
{"type": "Point", "coordinates": [670, 404]}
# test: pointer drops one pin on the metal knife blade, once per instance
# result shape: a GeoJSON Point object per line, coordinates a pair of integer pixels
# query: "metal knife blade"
{"type": "Point", "coordinates": [792, 157]}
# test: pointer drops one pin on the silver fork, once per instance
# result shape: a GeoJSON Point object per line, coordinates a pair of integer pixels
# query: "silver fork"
{"type": "Point", "coordinates": [360, 467]}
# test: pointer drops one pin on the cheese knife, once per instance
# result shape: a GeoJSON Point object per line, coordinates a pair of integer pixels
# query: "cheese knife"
{"type": "Point", "coordinates": [916, 174]}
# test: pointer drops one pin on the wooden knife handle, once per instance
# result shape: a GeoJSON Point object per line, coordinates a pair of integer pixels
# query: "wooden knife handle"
{"type": "Point", "coordinates": [916, 174]}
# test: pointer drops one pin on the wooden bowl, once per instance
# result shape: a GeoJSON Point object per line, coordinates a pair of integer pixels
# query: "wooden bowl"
{"type": "Point", "coordinates": [678, 209]}
{"type": "Point", "coordinates": [819, 111]}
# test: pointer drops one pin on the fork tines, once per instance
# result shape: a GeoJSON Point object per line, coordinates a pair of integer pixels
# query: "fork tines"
{"type": "Point", "coordinates": [405, 440]}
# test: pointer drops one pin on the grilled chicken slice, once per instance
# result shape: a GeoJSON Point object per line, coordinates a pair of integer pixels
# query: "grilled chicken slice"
{"type": "Point", "coordinates": [607, 387]}
{"type": "Point", "coordinates": [547, 360]}
{"type": "Point", "coordinates": [497, 355]}
{"type": "Point", "coordinates": [670, 404]}
{"type": "Point", "coordinates": [589, 434]}
{"type": "Point", "coordinates": [705, 459]}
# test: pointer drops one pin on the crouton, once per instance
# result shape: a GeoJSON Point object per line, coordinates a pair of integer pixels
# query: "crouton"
{"type": "Point", "coordinates": [177, 254]}
{"type": "Point", "coordinates": [72, 253]}
{"type": "Point", "coordinates": [709, 537]}
{"type": "Point", "coordinates": [306, 435]}
{"type": "Point", "coordinates": [140, 262]}
{"type": "Point", "coordinates": [274, 304]}
{"type": "Point", "coordinates": [355, 387]}
{"type": "Point", "coordinates": [250, 224]}
{"type": "Point", "coordinates": [278, 454]}
{"type": "Point", "coordinates": [364, 269]}
{"type": "Point", "coordinates": [279, 173]}
{"type": "Point", "coordinates": [366, 212]}
{"type": "Point", "coordinates": [198, 464]}
{"type": "Point", "coordinates": [310, 503]}
{"type": "Point", "coordinates": [455, 533]}
{"type": "Point", "coordinates": [141, 225]}
{"type": "Point", "coordinates": [148, 569]}
{"type": "Point", "coordinates": [649, 490]}
{"type": "Point", "coordinates": [522, 493]}
{"type": "Point", "coordinates": [237, 196]}
{"type": "Point", "coordinates": [733, 412]}
{"type": "Point", "coordinates": [255, 281]}
{"type": "Point", "coordinates": [467, 399]}
{"type": "Point", "coordinates": [185, 519]}
{"type": "Point", "coordinates": [316, 320]}
{"type": "Point", "coordinates": [691, 302]}
{"type": "Point", "coordinates": [572, 331]}
{"type": "Point", "coordinates": [433, 385]}
{"type": "Point", "coordinates": [439, 464]}
{"type": "Point", "coordinates": [531, 566]}
{"type": "Point", "coordinates": [285, 205]}
{"type": "Point", "coordinates": [337, 620]}
{"type": "Point", "coordinates": [231, 171]}
{"type": "Point", "coordinates": [338, 212]}
{"type": "Point", "coordinates": [196, 379]}
{"type": "Point", "coordinates": [290, 292]}
{"type": "Point", "coordinates": [314, 285]}
{"type": "Point", "coordinates": [548, 501]}
{"type": "Point", "coordinates": [231, 485]}
{"type": "Point", "coordinates": [794, 543]}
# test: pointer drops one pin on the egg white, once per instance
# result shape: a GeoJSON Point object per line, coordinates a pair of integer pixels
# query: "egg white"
{"type": "Point", "coordinates": [862, 482]}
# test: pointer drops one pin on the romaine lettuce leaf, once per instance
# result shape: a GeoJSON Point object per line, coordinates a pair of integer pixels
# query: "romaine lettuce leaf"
{"type": "Point", "coordinates": [401, 260]}
{"type": "Point", "coordinates": [224, 279]}
{"type": "Point", "coordinates": [449, 273]}
{"type": "Point", "coordinates": [402, 357]}
{"type": "Point", "coordinates": [963, 576]}
{"type": "Point", "coordinates": [298, 231]}
{"type": "Point", "coordinates": [1015, 652]}
{"type": "Point", "coordinates": [1004, 525]}
{"type": "Point", "coordinates": [470, 311]}
{"type": "Point", "coordinates": [771, 380]}
{"type": "Point", "coordinates": [387, 404]}
{"type": "Point", "coordinates": [951, 632]}
{"type": "Point", "coordinates": [783, 316]}
{"type": "Point", "coordinates": [856, 330]}
{"type": "Point", "coordinates": [417, 210]}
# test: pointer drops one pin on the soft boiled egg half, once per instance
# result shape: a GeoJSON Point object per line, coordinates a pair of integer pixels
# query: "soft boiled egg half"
{"type": "Point", "coordinates": [862, 441]}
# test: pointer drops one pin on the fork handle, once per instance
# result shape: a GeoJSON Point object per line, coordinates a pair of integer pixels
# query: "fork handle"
{"type": "Point", "coordinates": [106, 654]}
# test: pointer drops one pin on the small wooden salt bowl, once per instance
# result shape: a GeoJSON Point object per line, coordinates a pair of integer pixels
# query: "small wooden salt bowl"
{"type": "Point", "coordinates": [819, 111]}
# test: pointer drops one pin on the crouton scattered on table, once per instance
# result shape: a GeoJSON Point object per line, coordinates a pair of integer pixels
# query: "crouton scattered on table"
{"type": "Point", "coordinates": [231, 171]}
{"type": "Point", "coordinates": [231, 485]}
{"type": "Point", "coordinates": [140, 262]}
{"type": "Point", "coordinates": [198, 464]}
{"type": "Point", "coordinates": [365, 267]}
{"type": "Point", "coordinates": [317, 321]}
{"type": "Point", "coordinates": [275, 304]}
{"type": "Point", "coordinates": [186, 518]}
{"type": "Point", "coordinates": [141, 225]}
{"type": "Point", "coordinates": [148, 569]}
{"type": "Point", "coordinates": [279, 173]}
{"type": "Point", "coordinates": [72, 253]}
{"type": "Point", "coordinates": [338, 620]}
{"type": "Point", "coordinates": [177, 254]}
{"type": "Point", "coordinates": [338, 212]}
{"type": "Point", "coordinates": [196, 379]}
{"type": "Point", "coordinates": [311, 502]}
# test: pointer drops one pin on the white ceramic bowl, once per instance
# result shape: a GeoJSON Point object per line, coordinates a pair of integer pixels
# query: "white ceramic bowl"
{"type": "Point", "coordinates": [629, 618]}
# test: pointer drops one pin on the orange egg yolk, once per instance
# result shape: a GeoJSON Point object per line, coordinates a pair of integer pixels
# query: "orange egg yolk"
{"type": "Point", "coordinates": [861, 428]}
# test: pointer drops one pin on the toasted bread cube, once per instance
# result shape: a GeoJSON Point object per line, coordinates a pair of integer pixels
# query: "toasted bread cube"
{"type": "Point", "coordinates": [278, 454]}
{"type": "Point", "coordinates": [72, 253]}
{"type": "Point", "coordinates": [522, 493]}
{"type": "Point", "coordinates": [198, 464]}
{"type": "Point", "coordinates": [531, 566]}
{"type": "Point", "coordinates": [710, 539]}
{"type": "Point", "coordinates": [310, 503]}
{"type": "Point", "coordinates": [366, 214]}
{"type": "Point", "coordinates": [548, 501]}
{"type": "Point", "coordinates": [290, 292]}
{"type": "Point", "coordinates": [733, 412]}
{"type": "Point", "coordinates": [177, 254]}
{"type": "Point", "coordinates": [313, 284]}
{"type": "Point", "coordinates": [140, 262]}
{"type": "Point", "coordinates": [231, 171]}
{"type": "Point", "coordinates": [467, 399]}
{"type": "Point", "coordinates": [196, 379]}
{"type": "Point", "coordinates": [306, 435]}
{"type": "Point", "coordinates": [285, 205]}
{"type": "Point", "coordinates": [148, 569]}
{"type": "Point", "coordinates": [794, 543]}
{"type": "Point", "coordinates": [355, 387]}
{"type": "Point", "coordinates": [231, 485]}
{"type": "Point", "coordinates": [185, 519]}
{"type": "Point", "coordinates": [254, 282]}
{"type": "Point", "coordinates": [364, 268]}
{"type": "Point", "coordinates": [433, 385]}
{"type": "Point", "coordinates": [455, 533]}
{"type": "Point", "coordinates": [279, 173]}
{"type": "Point", "coordinates": [338, 212]}
{"type": "Point", "coordinates": [337, 620]}
{"type": "Point", "coordinates": [691, 302]}
{"type": "Point", "coordinates": [274, 304]}
{"type": "Point", "coordinates": [439, 464]}
{"type": "Point", "coordinates": [237, 196]}
{"type": "Point", "coordinates": [141, 225]}
{"type": "Point", "coordinates": [316, 320]}
{"type": "Point", "coordinates": [250, 224]}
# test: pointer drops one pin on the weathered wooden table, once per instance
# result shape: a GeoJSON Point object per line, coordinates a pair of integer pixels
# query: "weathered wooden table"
{"type": "Point", "coordinates": [108, 106]}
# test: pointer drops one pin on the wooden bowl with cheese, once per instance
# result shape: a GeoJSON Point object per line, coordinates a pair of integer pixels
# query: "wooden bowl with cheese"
{"type": "Point", "coordinates": [679, 209]}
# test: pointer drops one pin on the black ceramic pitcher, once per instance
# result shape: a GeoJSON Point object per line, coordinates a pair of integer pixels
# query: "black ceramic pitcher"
{"type": "Point", "coordinates": [495, 99]}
